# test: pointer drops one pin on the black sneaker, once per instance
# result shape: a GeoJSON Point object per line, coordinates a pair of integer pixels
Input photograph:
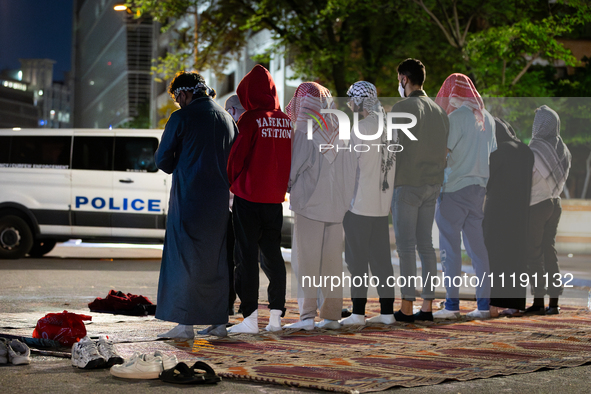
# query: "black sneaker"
{"type": "Point", "coordinates": [534, 310]}
{"type": "Point", "coordinates": [423, 316]}
{"type": "Point", "coordinates": [552, 310]}
{"type": "Point", "coordinates": [401, 317]}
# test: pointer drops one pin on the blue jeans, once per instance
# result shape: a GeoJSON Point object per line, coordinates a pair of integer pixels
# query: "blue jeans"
{"type": "Point", "coordinates": [413, 209]}
{"type": "Point", "coordinates": [460, 214]}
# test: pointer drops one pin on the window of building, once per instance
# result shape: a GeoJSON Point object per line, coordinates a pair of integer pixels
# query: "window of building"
{"type": "Point", "coordinates": [134, 154]}
{"type": "Point", "coordinates": [226, 85]}
{"type": "Point", "coordinates": [93, 153]}
{"type": "Point", "coordinates": [40, 152]}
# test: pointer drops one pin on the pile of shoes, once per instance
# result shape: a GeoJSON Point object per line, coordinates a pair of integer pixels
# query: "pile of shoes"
{"type": "Point", "coordinates": [88, 354]}
{"type": "Point", "coordinates": [14, 352]}
{"type": "Point", "coordinates": [167, 368]}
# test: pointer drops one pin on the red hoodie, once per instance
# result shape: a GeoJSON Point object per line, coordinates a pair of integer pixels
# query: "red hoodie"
{"type": "Point", "coordinates": [260, 159]}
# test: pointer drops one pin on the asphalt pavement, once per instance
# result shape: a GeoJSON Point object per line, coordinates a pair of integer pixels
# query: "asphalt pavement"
{"type": "Point", "coordinates": [74, 274]}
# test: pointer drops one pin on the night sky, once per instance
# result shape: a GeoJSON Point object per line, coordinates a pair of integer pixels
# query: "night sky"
{"type": "Point", "coordinates": [36, 29]}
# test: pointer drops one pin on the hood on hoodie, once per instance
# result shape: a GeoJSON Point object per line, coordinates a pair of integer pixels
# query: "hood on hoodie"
{"type": "Point", "coordinates": [257, 90]}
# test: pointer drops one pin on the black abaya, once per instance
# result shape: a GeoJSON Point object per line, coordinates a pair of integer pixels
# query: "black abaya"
{"type": "Point", "coordinates": [506, 216]}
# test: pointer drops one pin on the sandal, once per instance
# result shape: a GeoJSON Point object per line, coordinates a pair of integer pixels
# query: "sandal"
{"type": "Point", "coordinates": [210, 375]}
{"type": "Point", "coordinates": [183, 374]}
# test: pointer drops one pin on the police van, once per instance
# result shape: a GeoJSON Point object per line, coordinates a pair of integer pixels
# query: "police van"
{"type": "Point", "coordinates": [59, 184]}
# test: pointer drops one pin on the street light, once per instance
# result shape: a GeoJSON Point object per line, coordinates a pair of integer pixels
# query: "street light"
{"type": "Point", "coordinates": [121, 7]}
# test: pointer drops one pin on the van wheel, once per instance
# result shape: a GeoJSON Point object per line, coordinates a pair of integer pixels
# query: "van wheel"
{"type": "Point", "coordinates": [16, 238]}
{"type": "Point", "coordinates": [42, 247]}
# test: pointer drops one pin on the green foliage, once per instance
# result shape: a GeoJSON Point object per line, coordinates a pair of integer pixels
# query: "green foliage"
{"type": "Point", "coordinates": [337, 42]}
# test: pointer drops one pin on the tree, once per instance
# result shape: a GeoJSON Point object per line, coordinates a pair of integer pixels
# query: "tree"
{"type": "Point", "coordinates": [497, 42]}
{"type": "Point", "coordinates": [336, 42]}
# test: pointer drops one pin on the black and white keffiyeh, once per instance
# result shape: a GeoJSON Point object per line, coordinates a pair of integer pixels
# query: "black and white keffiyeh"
{"type": "Point", "coordinates": [548, 145]}
{"type": "Point", "coordinates": [194, 89]}
{"type": "Point", "coordinates": [364, 94]}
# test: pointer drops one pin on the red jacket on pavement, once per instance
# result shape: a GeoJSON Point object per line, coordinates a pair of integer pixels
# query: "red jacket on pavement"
{"type": "Point", "coordinates": [260, 159]}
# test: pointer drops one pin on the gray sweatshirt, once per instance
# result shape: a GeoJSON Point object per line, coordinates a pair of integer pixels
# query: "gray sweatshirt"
{"type": "Point", "coordinates": [320, 190]}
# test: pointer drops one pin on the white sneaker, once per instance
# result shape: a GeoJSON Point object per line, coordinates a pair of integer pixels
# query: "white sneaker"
{"type": "Point", "coordinates": [274, 320]}
{"type": "Point", "coordinates": [445, 314]}
{"type": "Point", "coordinates": [107, 349]}
{"type": "Point", "coordinates": [167, 361]}
{"type": "Point", "coordinates": [329, 324]}
{"type": "Point", "coordinates": [181, 331]}
{"type": "Point", "coordinates": [144, 366]}
{"type": "Point", "coordinates": [85, 355]}
{"type": "Point", "coordinates": [3, 351]}
{"type": "Point", "coordinates": [478, 314]}
{"type": "Point", "coordinates": [353, 320]}
{"type": "Point", "coordinates": [250, 325]}
{"type": "Point", "coordinates": [307, 324]}
{"type": "Point", "coordinates": [382, 319]}
{"type": "Point", "coordinates": [18, 353]}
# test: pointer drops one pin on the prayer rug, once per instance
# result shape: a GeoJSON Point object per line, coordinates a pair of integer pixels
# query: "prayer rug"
{"type": "Point", "coordinates": [378, 357]}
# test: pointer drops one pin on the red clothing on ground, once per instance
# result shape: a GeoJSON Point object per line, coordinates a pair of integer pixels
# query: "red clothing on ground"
{"type": "Point", "coordinates": [260, 159]}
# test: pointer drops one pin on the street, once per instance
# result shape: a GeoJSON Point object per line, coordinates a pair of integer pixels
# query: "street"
{"type": "Point", "coordinates": [73, 275]}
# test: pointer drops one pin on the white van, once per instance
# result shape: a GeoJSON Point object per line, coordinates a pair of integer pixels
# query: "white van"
{"type": "Point", "coordinates": [89, 184]}
{"type": "Point", "coordinates": [59, 184]}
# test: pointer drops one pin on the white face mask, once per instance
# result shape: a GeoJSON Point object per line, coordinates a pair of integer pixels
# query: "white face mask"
{"type": "Point", "coordinates": [400, 89]}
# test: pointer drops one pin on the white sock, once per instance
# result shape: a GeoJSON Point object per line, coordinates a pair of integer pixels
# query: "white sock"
{"type": "Point", "coordinates": [329, 324]}
{"type": "Point", "coordinates": [353, 320]}
{"type": "Point", "coordinates": [382, 319]}
{"type": "Point", "coordinates": [250, 325]}
{"type": "Point", "coordinates": [180, 331]}
{"type": "Point", "coordinates": [274, 320]}
{"type": "Point", "coordinates": [307, 324]}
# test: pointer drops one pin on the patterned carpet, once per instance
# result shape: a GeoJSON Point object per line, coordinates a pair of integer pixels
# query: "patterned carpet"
{"type": "Point", "coordinates": [364, 359]}
{"type": "Point", "coordinates": [361, 359]}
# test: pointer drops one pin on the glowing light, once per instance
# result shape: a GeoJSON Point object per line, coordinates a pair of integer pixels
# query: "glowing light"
{"type": "Point", "coordinates": [120, 7]}
{"type": "Point", "coordinates": [14, 85]}
{"type": "Point", "coordinates": [40, 92]}
{"type": "Point", "coordinates": [20, 76]}
{"type": "Point", "coordinates": [108, 63]}
{"type": "Point", "coordinates": [91, 82]}
{"type": "Point", "coordinates": [16, 128]}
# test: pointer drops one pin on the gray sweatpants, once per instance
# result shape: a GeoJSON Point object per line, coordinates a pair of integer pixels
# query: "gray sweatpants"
{"type": "Point", "coordinates": [317, 253]}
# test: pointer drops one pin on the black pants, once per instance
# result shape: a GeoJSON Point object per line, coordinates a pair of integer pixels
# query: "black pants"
{"type": "Point", "coordinates": [258, 225]}
{"type": "Point", "coordinates": [230, 260]}
{"type": "Point", "coordinates": [367, 242]}
{"type": "Point", "coordinates": [541, 251]}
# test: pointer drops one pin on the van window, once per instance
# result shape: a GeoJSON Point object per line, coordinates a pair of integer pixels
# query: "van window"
{"type": "Point", "coordinates": [40, 152]}
{"type": "Point", "coordinates": [93, 153]}
{"type": "Point", "coordinates": [4, 151]}
{"type": "Point", "coordinates": [135, 154]}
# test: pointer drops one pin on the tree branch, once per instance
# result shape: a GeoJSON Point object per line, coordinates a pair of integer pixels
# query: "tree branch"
{"type": "Point", "coordinates": [457, 20]}
{"type": "Point", "coordinates": [438, 22]}
{"type": "Point", "coordinates": [447, 21]}
{"type": "Point", "coordinates": [525, 68]}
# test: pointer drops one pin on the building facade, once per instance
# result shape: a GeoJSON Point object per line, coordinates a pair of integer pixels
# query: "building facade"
{"type": "Point", "coordinates": [112, 55]}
